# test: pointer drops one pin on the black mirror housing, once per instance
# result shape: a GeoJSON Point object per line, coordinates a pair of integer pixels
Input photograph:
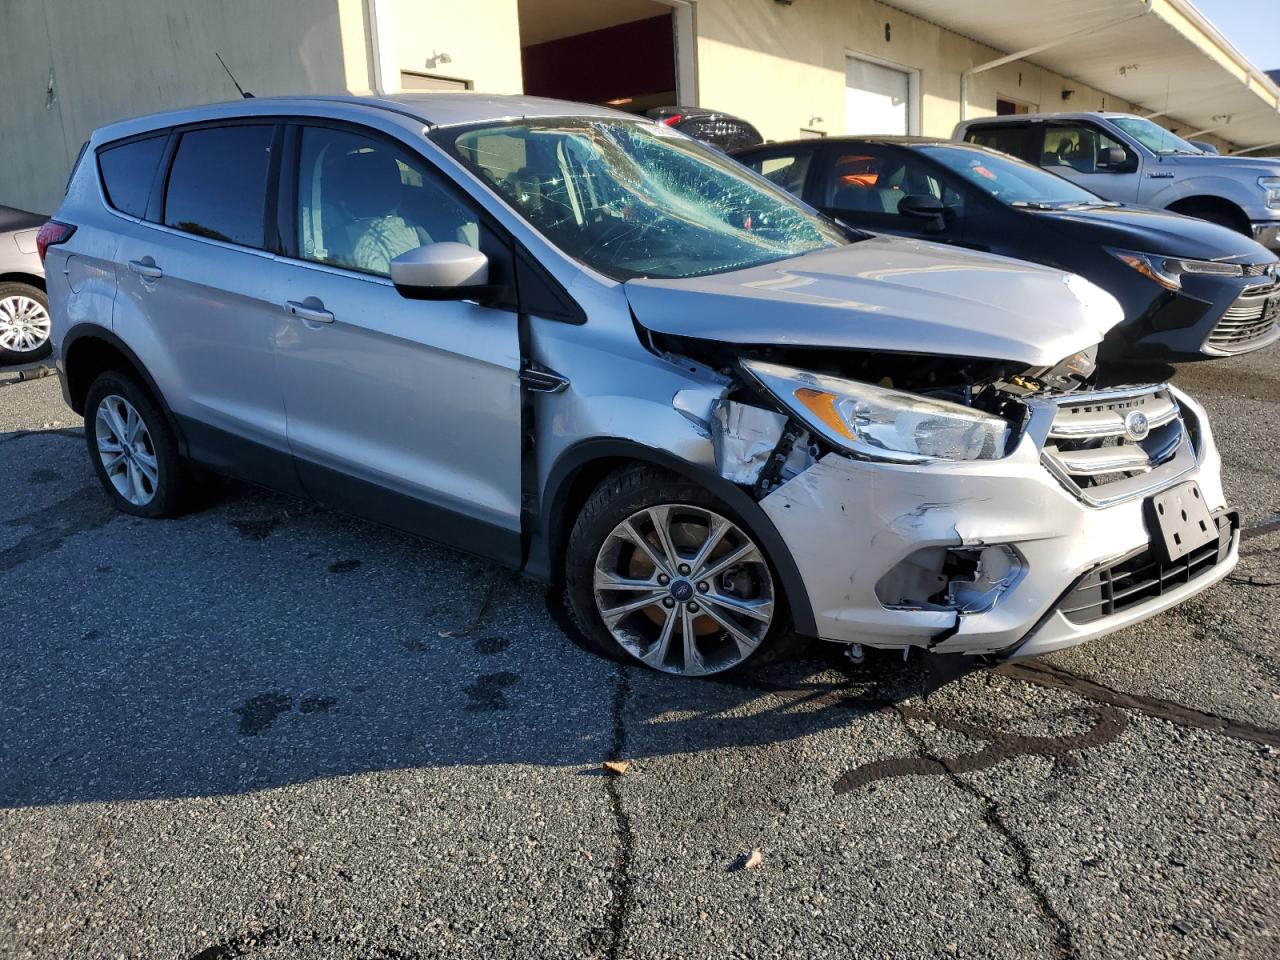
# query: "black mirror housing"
{"type": "Point", "coordinates": [924, 206]}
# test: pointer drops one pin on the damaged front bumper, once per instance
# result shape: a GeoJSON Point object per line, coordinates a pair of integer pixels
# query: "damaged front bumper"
{"type": "Point", "coordinates": [869, 536]}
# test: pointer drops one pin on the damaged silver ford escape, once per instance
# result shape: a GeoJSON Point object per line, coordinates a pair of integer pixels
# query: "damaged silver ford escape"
{"type": "Point", "coordinates": [586, 346]}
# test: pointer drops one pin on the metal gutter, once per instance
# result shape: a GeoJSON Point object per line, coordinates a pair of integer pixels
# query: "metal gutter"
{"type": "Point", "coordinates": [1040, 48]}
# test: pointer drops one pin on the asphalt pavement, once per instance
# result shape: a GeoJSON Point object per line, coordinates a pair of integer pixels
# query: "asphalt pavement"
{"type": "Point", "coordinates": [268, 731]}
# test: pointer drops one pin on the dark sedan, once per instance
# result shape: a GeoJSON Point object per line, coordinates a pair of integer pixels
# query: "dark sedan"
{"type": "Point", "coordinates": [1190, 289]}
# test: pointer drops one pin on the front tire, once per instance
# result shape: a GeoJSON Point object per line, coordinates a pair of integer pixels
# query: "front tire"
{"type": "Point", "coordinates": [661, 572]}
{"type": "Point", "coordinates": [134, 451]}
{"type": "Point", "coordinates": [24, 323]}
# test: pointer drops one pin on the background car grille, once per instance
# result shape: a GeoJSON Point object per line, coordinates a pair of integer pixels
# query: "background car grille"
{"type": "Point", "coordinates": [1091, 451]}
{"type": "Point", "coordinates": [1248, 323]}
{"type": "Point", "coordinates": [1142, 576]}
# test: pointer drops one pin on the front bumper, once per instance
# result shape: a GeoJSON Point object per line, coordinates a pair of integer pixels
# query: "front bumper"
{"type": "Point", "coordinates": [847, 523]}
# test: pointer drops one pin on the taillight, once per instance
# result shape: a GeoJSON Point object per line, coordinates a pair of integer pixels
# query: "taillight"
{"type": "Point", "coordinates": [51, 234]}
{"type": "Point", "coordinates": [672, 120]}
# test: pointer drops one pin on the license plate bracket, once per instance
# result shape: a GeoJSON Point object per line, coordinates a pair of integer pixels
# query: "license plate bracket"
{"type": "Point", "coordinates": [1180, 521]}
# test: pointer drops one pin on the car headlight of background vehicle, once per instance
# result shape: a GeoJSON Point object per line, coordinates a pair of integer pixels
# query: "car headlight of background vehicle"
{"type": "Point", "coordinates": [1272, 186]}
{"type": "Point", "coordinates": [1169, 271]}
{"type": "Point", "coordinates": [880, 423]}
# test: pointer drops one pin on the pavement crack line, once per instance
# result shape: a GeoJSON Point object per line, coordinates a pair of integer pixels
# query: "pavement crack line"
{"type": "Point", "coordinates": [1054, 677]}
{"type": "Point", "coordinates": [1064, 941]}
{"type": "Point", "coordinates": [621, 880]}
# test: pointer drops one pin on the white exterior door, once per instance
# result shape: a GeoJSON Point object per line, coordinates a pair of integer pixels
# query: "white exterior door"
{"type": "Point", "coordinates": [877, 99]}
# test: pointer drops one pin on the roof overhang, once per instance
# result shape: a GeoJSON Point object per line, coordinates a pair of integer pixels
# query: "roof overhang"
{"type": "Point", "coordinates": [1162, 55]}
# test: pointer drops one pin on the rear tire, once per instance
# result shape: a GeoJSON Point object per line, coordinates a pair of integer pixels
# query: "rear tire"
{"type": "Point", "coordinates": [703, 617]}
{"type": "Point", "coordinates": [134, 450]}
{"type": "Point", "coordinates": [24, 323]}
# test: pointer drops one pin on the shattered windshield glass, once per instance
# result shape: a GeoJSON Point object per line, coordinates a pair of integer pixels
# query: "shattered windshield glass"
{"type": "Point", "coordinates": [635, 199]}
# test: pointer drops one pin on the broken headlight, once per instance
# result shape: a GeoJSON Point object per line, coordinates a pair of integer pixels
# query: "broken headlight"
{"type": "Point", "coordinates": [880, 423]}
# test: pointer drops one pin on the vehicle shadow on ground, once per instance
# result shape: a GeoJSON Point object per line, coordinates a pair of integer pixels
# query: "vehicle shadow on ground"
{"type": "Point", "coordinates": [264, 642]}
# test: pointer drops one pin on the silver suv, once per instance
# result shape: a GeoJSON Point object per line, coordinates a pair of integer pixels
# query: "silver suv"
{"type": "Point", "coordinates": [584, 345]}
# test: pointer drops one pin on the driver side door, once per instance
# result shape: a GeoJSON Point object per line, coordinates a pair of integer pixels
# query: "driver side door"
{"type": "Point", "coordinates": [1074, 150]}
{"type": "Point", "coordinates": [864, 185]}
{"type": "Point", "coordinates": [403, 411]}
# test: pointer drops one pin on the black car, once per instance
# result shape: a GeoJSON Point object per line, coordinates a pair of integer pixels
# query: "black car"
{"type": "Point", "coordinates": [1189, 289]}
{"type": "Point", "coordinates": [721, 130]}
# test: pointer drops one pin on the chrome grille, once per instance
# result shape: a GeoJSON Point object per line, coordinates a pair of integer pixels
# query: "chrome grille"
{"type": "Point", "coordinates": [1109, 446]}
{"type": "Point", "coordinates": [1251, 322]}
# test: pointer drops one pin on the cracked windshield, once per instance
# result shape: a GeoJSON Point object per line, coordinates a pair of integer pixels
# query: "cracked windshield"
{"type": "Point", "coordinates": [634, 200]}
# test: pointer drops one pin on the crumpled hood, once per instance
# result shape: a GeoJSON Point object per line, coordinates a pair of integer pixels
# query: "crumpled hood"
{"type": "Point", "coordinates": [888, 294]}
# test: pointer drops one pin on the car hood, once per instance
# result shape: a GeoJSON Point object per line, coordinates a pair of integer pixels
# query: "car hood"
{"type": "Point", "coordinates": [1156, 231]}
{"type": "Point", "coordinates": [1227, 166]}
{"type": "Point", "coordinates": [887, 294]}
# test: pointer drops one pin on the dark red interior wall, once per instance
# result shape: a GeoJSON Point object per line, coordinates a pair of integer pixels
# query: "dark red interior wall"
{"type": "Point", "coordinates": [629, 60]}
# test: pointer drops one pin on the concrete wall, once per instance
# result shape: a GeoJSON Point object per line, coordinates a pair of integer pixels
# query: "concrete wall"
{"type": "Point", "coordinates": [779, 66]}
{"type": "Point", "coordinates": [118, 58]}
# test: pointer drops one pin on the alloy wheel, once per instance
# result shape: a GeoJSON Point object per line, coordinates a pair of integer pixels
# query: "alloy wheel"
{"type": "Point", "coordinates": [126, 450]}
{"type": "Point", "coordinates": [683, 589]}
{"type": "Point", "coordinates": [24, 324]}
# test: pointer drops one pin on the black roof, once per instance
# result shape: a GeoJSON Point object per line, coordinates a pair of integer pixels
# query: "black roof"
{"type": "Point", "coordinates": [892, 139]}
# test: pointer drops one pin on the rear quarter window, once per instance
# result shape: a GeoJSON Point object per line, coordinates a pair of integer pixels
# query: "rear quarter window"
{"type": "Point", "coordinates": [218, 183]}
{"type": "Point", "coordinates": [1011, 138]}
{"type": "Point", "coordinates": [128, 170]}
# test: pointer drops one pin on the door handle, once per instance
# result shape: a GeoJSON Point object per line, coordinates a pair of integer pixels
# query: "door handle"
{"type": "Point", "coordinates": [313, 311]}
{"type": "Point", "coordinates": [146, 268]}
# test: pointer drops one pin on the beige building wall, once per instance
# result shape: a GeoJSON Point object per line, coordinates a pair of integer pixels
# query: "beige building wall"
{"type": "Point", "coordinates": [782, 66]}
{"type": "Point", "coordinates": [481, 37]}
{"type": "Point", "coordinates": [112, 59]}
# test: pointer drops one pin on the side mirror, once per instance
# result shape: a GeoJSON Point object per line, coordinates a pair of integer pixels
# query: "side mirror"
{"type": "Point", "coordinates": [924, 206]}
{"type": "Point", "coordinates": [443, 271]}
{"type": "Point", "coordinates": [1115, 160]}
{"type": "Point", "coordinates": [1206, 147]}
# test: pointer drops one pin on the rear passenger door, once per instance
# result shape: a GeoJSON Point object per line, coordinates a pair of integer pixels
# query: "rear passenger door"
{"type": "Point", "coordinates": [198, 295]}
{"type": "Point", "coordinates": [404, 411]}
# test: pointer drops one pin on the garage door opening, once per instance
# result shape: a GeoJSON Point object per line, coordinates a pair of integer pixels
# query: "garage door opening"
{"type": "Point", "coordinates": [623, 53]}
{"type": "Point", "coordinates": [880, 98]}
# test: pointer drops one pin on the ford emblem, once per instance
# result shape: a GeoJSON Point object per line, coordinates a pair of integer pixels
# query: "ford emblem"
{"type": "Point", "coordinates": [1136, 425]}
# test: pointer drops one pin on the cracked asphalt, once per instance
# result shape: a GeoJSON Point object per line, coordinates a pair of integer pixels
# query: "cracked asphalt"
{"type": "Point", "coordinates": [268, 731]}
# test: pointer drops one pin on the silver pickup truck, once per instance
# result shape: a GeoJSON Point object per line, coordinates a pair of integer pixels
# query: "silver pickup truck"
{"type": "Point", "coordinates": [1134, 160]}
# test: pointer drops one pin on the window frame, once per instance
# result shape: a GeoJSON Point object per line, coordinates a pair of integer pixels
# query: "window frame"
{"type": "Point", "coordinates": [955, 227]}
{"type": "Point", "coordinates": [160, 198]}
{"type": "Point", "coordinates": [796, 150]}
{"type": "Point", "coordinates": [1033, 137]}
{"type": "Point", "coordinates": [521, 269]}
{"type": "Point", "coordinates": [162, 163]}
{"type": "Point", "coordinates": [1131, 159]}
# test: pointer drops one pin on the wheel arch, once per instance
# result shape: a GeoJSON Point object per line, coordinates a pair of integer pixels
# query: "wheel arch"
{"type": "Point", "coordinates": [1197, 204]}
{"type": "Point", "coordinates": [579, 470]}
{"type": "Point", "coordinates": [31, 279]}
{"type": "Point", "coordinates": [87, 351]}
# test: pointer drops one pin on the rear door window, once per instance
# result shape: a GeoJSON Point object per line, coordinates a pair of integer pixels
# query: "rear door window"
{"type": "Point", "coordinates": [128, 170]}
{"type": "Point", "coordinates": [218, 183]}
{"type": "Point", "coordinates": [1011, 138]}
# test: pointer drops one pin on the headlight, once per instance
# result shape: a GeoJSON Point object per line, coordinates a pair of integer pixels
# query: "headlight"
{"type": "Point", "coordinates": [1168, 271]}
{"type": "Point", "coordinates": [1272, 186]}
{"type": "Point", "coordinates": [883, 424]}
